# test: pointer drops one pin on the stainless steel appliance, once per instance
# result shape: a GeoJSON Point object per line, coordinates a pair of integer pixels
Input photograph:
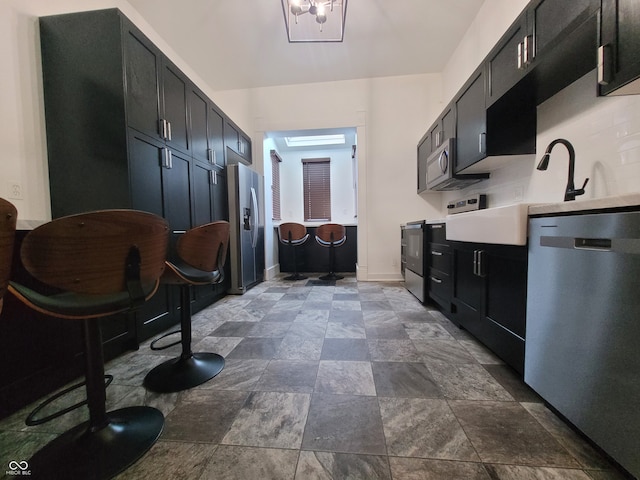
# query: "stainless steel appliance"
{"type": "Point", "coordinates": [246, 243]}
{"type": "Point", "coordinates": [414, 257]}
{"type": "Point", "coordinates": [583, 326]}
{"type": "Point", "coordinates": [440, 167]}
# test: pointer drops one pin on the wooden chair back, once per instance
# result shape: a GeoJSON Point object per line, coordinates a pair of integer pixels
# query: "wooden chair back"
{"type": "Point", "coordinates": [297, 231]}
{"type": "Point", "coordinates": [87, 253]}
{"type": "Point", "coordinates": [324, 232]}
{"type": "Point", "coordinates": [8, 217]}
{"type": "Point", "coordinates": [201, 247]}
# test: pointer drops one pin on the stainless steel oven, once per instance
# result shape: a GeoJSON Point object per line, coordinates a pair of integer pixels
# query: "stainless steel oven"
{"type": "Point", "coordinates": [414, 256]}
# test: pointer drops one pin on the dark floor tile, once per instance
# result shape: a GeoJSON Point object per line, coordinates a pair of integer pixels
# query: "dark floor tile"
{"type": "Point", "coordinates": [256, 348]}
{"type": "Point", "coordinates": [233, 329]}
{"type": "Point", "coordinates": [203, 416]}
{"type": "Point", "coordinates": [510, 472]}
{"type": "Point", "coordinates": [285, 316]}
{"type": "Point", "coordinates": [345, 349]}
{"type": "Point", "coordinates": [344, 423]}
{"type": "Point", "coordinates": [368, 306]}
{"type": "Point", "coordinates": [423, 469]}
{"type": "Point", "coordinates": [386, 331]}
{"type": "Point", "coordinates": [269, 330]}
{"type": "Point", "coordinates": [513, 383]}
{"type": "Point", "coordinates": [346, 316]}
{"type": "Point", "coordinates": [326, 465]}
{"type": "Point", "coordinates": [399, 379]}
{"type": "Point", "coordinates": [504, 432]}
{"type": "Point", "coordinates": [346, 297]}
{"type": "Point", "coordinates": [288, 376]}
{"type": "Point", "coordinates": [248, 463]}
{"type": "Point", "coordinates": [277, 290]}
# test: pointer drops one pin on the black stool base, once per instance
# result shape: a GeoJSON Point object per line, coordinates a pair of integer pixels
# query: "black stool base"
{"type": "Point", "coordinates": [183, 373]}
{"type": "Point", "coordinates": [80, 453]}
{"type": "Point", "coordinates": [331, 276]}
{"type": "Point", "coordinates": [295, 276]}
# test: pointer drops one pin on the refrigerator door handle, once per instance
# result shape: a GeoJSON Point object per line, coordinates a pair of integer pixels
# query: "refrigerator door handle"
{"type": "Point", "coordinates": [254, 205]}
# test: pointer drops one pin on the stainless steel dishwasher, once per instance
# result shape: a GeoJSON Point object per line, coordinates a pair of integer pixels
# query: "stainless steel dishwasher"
{"type": "Point", "coordinates": [582, 350]}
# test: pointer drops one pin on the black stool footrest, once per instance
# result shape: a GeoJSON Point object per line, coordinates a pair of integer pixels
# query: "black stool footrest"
{"type": "Point", "coordinates": [101, 454]}
{"type": "Point", "coordinates": [152, 346]}
{"type": "Point", "coordinates": [32, 421]}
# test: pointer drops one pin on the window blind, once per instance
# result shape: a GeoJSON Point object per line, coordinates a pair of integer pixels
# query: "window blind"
{"type": "Point", "coordinates": [316, 176]}
{"type": "Point", "coordinates": [275, 184]}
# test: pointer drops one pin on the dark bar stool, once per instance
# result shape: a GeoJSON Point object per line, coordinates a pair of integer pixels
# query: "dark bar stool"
{"type": "Point", "coordinates": [103, 263]}
{"type": "Point", "coordinates": [8, 217]}
{"type": "Point", "coordinates": [331, 235]}
{"type": "Point", "coordinates": [202, 252]}
{"type": "Point", "coordinates": [293, 235]}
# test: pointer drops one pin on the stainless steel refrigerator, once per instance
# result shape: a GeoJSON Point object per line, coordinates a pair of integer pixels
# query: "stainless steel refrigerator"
{"type": "Point", "coordinates": [246, 243]}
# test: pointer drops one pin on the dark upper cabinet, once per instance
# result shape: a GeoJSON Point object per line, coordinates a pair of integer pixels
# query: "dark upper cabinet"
{"type": "Point", "coordinates": [424, 149]}
{"type": "Point", "coordinates": [215, 129]}
{"type": "Point", "coordinates": [471, 123]}
{"type": "Point", "coordinates": [443, 128]}
{"type": "Point", "coordinates": [207, 137]}
{"type": "Point", "coordinates": [156, 91]}
{"type": "Point", "coordinates": [618, 59]}
{"type": "Point", "coordinates": [238, 141]}
{"type": "Point", "coordinates": [557, 35]}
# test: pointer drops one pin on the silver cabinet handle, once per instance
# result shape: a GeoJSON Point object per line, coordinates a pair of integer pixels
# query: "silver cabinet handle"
{"type": "Point", "coordinates": [437, 254]}
{"type": "Point", "coordinates": [528, 52]}
{"type": "Point", "coordinates": [162, 128]}
{"type": "Point", "coordinates": [213, 176]}
{"type": "Point", "coordinates": [481, 142]}
{"type": "Point", "coordinates": [520, 55]}
{"type": "Point", "coordinates": [435, 279]}
{"type": "Point", "coordinates": [604, 65]}
{"type": "Point", "coordinates": [168, 130]}
{"type": "Point", "coordinates": [437, 225]}
{"type": "Point", "coordinates": [166, 158]}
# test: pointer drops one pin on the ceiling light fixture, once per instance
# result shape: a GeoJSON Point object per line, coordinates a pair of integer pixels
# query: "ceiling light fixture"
{"type": "Point", "coordinates": [314, 20]}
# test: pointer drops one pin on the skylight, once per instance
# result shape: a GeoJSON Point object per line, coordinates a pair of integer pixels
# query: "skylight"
{"type": "Point", "coordinates": [315, 140]}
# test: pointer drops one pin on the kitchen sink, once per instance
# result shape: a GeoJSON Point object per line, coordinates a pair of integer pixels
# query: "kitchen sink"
{"type": "Point", "coordinates": [505, 225]}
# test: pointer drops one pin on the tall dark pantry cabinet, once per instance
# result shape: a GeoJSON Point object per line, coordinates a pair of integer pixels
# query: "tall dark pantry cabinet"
{"type": "Point", "coordinates": [127, 129]}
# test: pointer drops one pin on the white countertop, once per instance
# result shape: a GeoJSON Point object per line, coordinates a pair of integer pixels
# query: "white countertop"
{"type": "Point", "coordinates": [616, 201]}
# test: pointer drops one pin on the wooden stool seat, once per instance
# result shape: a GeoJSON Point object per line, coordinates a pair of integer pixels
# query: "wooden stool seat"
{"type": "Point", "coordinates": [202, 253]}
{"type": "Point", "coordinates": [102, 263]}
{"type": "Point", "coordinates": [293, 234]}
{"type": "Point", "coordinates": [8, 217]}
{"type": "Point", "coordinates": [331, 235]}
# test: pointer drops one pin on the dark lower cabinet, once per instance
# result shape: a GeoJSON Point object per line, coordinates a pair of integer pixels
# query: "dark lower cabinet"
{"type": "Point", "coordinates": [439, 278]}
{"type": "Point", "coordinates": [489, 296]}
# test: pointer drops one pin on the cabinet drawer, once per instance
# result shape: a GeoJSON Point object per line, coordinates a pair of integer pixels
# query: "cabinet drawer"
{"type": "Point", "coordinates": [437, 233]}
{"type": "Point", "coordinates": [439, 283]}
{"type": "Point", "coordinates": [439, 257]}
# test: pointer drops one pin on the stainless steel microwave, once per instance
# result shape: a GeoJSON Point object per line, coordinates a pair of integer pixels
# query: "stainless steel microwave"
{"type": "Point", "coordinates": [440, 167]}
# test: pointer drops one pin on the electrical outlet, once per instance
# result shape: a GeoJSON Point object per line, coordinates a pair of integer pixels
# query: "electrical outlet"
{"type": "Point", "coordinates": [15, 190]}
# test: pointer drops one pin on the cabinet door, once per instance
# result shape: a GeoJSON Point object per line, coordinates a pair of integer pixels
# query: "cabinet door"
{"type": "Point", "coordinates": [468, 288]}
{"type": "Point", "coordinates": [216, 137]}
{"type": "Point", "coordinates": [174, 96]}
{"type": "Point", "coordinates": [424, 149]}
{"type": "Point", "coordinates": [177, 196]}
{"type": "Point", "coordinates": [146, 159]}
{"type": "Point", "coordinates": [620, 38]}
{"type": "Point", "coordinates": [549, 18]}
{"type": "Point", "coordinates": [231, 137]}
{"type": "Point", "coordinates": [471, 124]}
{"type": "Point", "coordinates": [505, 63]}
{"type": "Point", "coordinates": [142, 65]}
{"type": "Point", "coordinates": [245, 148]}
{"type": "Point", "coordinates": [198, 114]}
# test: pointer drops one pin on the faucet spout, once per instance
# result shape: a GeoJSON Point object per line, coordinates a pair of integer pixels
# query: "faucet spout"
{"type": "Point", "coordinates": [570, 192]}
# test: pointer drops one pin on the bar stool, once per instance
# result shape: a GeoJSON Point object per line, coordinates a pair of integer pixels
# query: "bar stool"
{"type": "Point", "coordinates": [202, 252]}
{"type": "Point", "coordinates": [8, 217]}
{"type": "Point", "coordinates": [293, 235]}
{"type": "Point", "coordinates": [103, 263]}
{"type": "Point", "coordinates": [331, 235]}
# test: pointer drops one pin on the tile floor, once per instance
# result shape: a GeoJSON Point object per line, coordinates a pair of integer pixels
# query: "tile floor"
{"type": "Point", "coordinates": [352, 381]}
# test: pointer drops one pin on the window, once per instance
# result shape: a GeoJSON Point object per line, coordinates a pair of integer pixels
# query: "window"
{"type": "Point", "coordinates": [275, 184]}
{"type": "Point", "coordinates": [316, 177]}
